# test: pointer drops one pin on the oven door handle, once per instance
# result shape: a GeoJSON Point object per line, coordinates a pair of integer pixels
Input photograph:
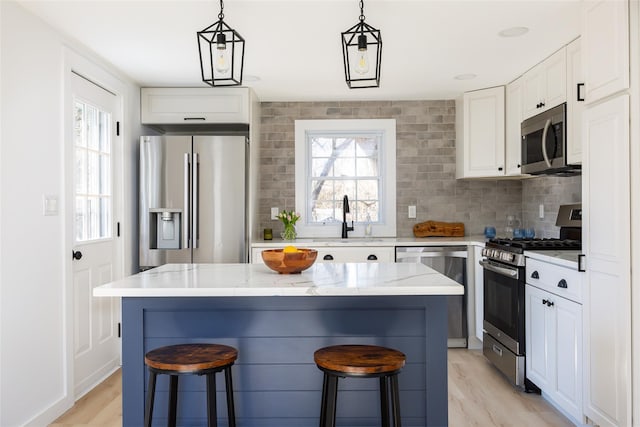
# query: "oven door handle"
{"type": "Point", "coordinates": [509, 272]}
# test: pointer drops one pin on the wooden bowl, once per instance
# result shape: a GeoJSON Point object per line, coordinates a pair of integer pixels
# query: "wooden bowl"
{"type": "Point", "coordinates": [289, 262]}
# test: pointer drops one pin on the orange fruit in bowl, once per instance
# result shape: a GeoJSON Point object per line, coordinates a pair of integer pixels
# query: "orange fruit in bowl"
{"type": "Point", "coordinates": [290, 249]}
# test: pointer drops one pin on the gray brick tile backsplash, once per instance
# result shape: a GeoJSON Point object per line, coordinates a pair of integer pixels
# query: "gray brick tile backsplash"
{"type": "Point", "coordinates": [425, 150]}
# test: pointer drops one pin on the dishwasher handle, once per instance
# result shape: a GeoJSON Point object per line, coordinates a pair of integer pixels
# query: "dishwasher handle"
{"type": "Point", "coordinates": [417, 255]}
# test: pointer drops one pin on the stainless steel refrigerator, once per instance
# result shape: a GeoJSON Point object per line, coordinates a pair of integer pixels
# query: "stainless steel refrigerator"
{"type": "Point", "coordinates": [193, 199]}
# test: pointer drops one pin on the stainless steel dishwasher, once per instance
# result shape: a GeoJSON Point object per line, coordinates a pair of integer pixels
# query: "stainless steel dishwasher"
{"type": "Point", "coordinates": [452, 262]}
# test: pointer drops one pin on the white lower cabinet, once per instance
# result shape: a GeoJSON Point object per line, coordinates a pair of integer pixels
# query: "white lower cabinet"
{"type": "Point", "coordinates": [553, 326]}
{"type": "Point", "coordinates": [341, 254]}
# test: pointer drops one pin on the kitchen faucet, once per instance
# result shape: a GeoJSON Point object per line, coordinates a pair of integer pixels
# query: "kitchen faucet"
{"type": "Point", "coordinates": [345, 211]}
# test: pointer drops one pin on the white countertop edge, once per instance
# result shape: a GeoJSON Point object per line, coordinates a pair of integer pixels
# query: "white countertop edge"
{"type": "Point", "coordinates": [562, 258]}
{"type": "Point", "coordinates": [474, 240]}
{"type": "Point", "coordinates": [278, 292]}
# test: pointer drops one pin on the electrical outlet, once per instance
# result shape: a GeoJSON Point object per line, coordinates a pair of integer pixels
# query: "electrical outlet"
{"type": "Point", "coordinates": [412, 211]}
{"type": "Point", "coordinates": [274, 213]}
{"type": "Point", "coordinates": [541, 211]}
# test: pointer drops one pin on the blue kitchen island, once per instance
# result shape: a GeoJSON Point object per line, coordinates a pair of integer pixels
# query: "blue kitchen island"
{"type": "Point", "coordinates": [277, 322]}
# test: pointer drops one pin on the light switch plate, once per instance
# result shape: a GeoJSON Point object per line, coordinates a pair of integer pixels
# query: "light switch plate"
{"type": "Point", "coordinates": [49, 204]}
{"type": "Point", "coordinates": [412, 211]}
{"type": "Point", "coordinates": [274, 213]}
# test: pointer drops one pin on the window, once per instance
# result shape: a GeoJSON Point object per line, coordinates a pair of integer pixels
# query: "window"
{"type": "Point", "coordinates": [355, 158]}
{"type": "Point", "coordinates": [92, 172]}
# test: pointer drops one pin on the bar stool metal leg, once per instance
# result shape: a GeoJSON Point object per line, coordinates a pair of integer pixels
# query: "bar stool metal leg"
{"type": "Point", "coordinates": [173, 400]}
{"type": "Point", "coordinates": [212, 416]}
{"type": "Point", "coordinates": [395, 401]}
{"type": "Point", "coordinates": [323, 402]}
{"type": "Point", "coordinates": [151, 392]}
{"type": "Point", "coordinates": [384, 402]}
{"type": "Point", "coordinates": [332, 400]}
{"type": "Point", "coordinates": [231, 411]}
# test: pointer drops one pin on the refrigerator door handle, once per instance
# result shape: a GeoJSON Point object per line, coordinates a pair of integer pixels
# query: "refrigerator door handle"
{"type": "Point", "coordinates": [185, 218]}
{"type": "Point", "coordinates": [195, 197]}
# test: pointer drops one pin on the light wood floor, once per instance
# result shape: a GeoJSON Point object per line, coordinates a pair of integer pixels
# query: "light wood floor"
{"type": "Point", "coordinates": [478, 396]}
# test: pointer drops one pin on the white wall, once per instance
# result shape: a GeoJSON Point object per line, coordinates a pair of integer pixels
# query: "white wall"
{"type": "Point", "coordinates": [33, 382]}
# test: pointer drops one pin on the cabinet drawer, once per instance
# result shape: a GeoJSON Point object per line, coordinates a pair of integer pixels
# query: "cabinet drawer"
{"type": "Point", "coordinates": [358, 254]}
{"type": "Point", "coordinates": [553, 278]}
{"type": "Point", "coordinates": [194, 105]}
{"type": "Point", "coordinates": [341, 254]}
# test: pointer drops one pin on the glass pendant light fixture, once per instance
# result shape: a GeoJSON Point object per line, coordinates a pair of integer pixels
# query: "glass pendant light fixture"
{"type": "Point", "coordinates": [360, 45]}
{"type": "Point", "coordinates": [221, 53]}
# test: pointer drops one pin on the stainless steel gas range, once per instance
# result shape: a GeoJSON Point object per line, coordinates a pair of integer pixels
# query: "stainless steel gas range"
{"type": "Point", "coordinates": [504, 292]}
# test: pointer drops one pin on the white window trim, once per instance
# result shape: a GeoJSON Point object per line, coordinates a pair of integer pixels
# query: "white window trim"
{"type": "Point", "coordinates": [387, 226]}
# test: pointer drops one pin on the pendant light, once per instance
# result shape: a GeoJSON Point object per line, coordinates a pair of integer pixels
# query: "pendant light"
{"type": "Point", "coordinates": [221, 53]}
{"type": "Point", "coordinates": [361, 45]}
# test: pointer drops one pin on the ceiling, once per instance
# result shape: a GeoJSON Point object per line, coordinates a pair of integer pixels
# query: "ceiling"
{"type": "Point", "coordinates": [293, 46]}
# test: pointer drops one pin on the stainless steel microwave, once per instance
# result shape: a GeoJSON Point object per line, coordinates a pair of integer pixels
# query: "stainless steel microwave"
{"type": "Point", "coordinates": [544, 143]}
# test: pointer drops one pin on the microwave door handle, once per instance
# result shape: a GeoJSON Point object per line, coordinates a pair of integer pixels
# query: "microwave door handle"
{"type": "Point", "coordinates": [544, 142]}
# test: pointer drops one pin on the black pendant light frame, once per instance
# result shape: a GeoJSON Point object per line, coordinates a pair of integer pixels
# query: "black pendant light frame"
{"type": "Point", "coordinates": [361, 36]}
{"type": "Point", "coordinates": [208, 41]}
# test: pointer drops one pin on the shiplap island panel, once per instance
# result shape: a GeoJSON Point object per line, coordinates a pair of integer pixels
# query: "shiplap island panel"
{"type": "Point", "coordinates": [277, 322]}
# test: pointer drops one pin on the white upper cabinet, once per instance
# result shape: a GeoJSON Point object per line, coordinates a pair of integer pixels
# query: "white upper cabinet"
{"type": "Point", "coordinates": [605, 47]}
{"type": "Point", "coordinates": [480, 134]}
{"type": "Point", "coordinates": [575, 102]}
{"type": "Point", "coordinates": [194, 105]}
{"type": "Point", "coordinates": [513, 141]}
{"type": "Point", "coordinates": [545, 85]}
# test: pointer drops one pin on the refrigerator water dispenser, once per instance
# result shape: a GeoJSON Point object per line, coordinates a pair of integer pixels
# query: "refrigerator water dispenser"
{"type": "Point", "coordinates": [165, 228]}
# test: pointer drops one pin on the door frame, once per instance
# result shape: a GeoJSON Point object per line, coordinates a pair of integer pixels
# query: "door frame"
{"type": "Point", "coordinates": [75, 63]}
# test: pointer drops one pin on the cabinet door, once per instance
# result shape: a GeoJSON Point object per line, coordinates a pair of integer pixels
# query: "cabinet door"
{"type": "Point", "coordinates": [513, 140]}
{"type": "Point", "coordinates": [605, 46]}
{"type": "Point", "coordinates": [194, 105]}
{"type": "Point", "coordinates": [606, 243]}
{"type": "Point", "coordinates": [532, 92]}
{"type": "Point", "coordinates": [554, 70]}
{"type": "Point", "coordinates": [540, 338]}
{"type": "Point", "coordinates": [575, 102]}
{"type": "Point", "coordinates": [567, 392]}
{"type": "Point", "coordinates": [482, 139]}
{"type": "Point", "coordinates": [545, 85]}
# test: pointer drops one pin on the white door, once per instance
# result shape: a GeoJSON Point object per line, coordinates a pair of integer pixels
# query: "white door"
{"type": "Point", "coordinates": [95, 249]}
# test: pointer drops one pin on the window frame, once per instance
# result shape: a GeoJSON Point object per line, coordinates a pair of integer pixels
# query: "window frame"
{"type": "Point", "coordinates": [386, 226]}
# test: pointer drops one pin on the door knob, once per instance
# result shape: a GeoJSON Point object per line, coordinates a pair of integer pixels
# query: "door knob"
{"type": "Point", "coordinates": [76, 254]}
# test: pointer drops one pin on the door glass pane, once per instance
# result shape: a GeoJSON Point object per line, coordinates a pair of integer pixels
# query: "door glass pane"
{"type": "Point", "coordinates": [92, 174]}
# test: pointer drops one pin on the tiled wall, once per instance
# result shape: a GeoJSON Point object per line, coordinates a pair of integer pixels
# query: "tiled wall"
{"type": "Point", "coordinates": [552, 192]}
{"type": "Point", "coordinates": [425, 157]}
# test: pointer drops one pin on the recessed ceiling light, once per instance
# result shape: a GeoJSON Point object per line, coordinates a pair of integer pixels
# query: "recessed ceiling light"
{"type": "Point", "coordinates": [513, 32]}
{"type": "Point", "coordinates": [468, 76]}
{"type": "Point", "coordinates": [251, 78]}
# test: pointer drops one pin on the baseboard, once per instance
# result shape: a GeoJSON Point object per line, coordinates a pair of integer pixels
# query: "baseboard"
{"type": "Point", "coordinates": [99, 376]}
{"type": "Point", "coordinates": [50, 414]}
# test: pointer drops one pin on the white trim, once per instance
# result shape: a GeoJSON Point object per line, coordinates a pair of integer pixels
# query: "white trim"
{"type": "Point", "coordinates": [388, 191]}
{"type": "Point", "coordinates": [80, 65]}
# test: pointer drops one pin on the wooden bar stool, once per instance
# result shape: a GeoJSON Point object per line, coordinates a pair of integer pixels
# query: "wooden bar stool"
{"type": "Point", "coordinates": [360, 361]}
{"type": "Point", "coordinates": [191, 359]}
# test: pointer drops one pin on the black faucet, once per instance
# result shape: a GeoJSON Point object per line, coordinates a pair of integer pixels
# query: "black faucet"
{"type": "Point", "coordinates": [345, 211]}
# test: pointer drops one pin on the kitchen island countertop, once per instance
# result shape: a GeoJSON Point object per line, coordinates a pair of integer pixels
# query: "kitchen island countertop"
{"type": "Point", "coordinates": [323, 279]}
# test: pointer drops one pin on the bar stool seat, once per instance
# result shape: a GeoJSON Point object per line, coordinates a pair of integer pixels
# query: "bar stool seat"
{"type": "Point", "coordinates": [360, 361]}
{"type": "Point", "coordinates": [191, 359]}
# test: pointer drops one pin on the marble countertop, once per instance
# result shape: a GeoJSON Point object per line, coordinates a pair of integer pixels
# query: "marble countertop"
{"type": "Point", "coordinates": [564, 258]}
{"type": "Point", "coordinates": [478, 240]}
{"type": "Point", "coordinates": [322, 279]}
